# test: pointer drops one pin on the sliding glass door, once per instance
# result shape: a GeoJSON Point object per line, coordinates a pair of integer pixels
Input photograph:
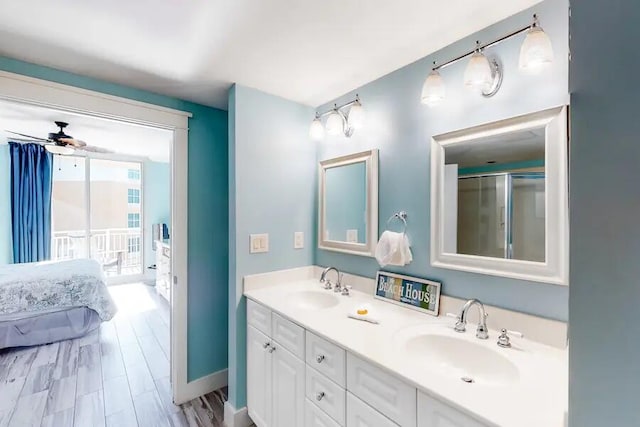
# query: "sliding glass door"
{"type": "Point", "coordinates": [97, 213]}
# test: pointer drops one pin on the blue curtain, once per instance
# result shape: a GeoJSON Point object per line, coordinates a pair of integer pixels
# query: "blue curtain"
{"type": "Point", "coordinates": [31, 181]}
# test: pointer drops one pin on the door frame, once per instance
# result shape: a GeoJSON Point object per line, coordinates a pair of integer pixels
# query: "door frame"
{"type": "Point", "coordinates": [44, 93]}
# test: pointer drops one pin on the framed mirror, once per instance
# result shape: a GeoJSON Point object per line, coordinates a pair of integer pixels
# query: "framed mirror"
{"type": "Point", "coordinates": [348, 203]}
{"type": "Point", "coordinates": [499, 199]}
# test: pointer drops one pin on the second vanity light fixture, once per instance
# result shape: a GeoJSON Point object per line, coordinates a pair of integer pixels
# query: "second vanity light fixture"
{"type": "Point", "coordinates": [339, 120]}
{"type": "Point", "coordinates": [485, 75]}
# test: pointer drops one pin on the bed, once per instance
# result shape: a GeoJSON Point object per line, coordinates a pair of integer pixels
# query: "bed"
{"type": "Point", "coordinates": [47, 302]}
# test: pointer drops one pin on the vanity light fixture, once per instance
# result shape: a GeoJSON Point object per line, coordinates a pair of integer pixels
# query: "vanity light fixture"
{"type": "Point", "coordinates": [536, 50]}
{"type": "Point", "coordinates": [485, 74]}
{"type": "Point", "coordinates": [339, 121]}
{"type": "Point", "coordinates": [433, 89]}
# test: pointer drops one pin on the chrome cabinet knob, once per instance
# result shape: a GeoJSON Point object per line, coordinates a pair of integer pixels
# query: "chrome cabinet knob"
{"type": "Point", "coordinates": [320, 396]}
{"type": "Point", "coordinates": [272, 349]}
{"type": "Point", "coordinates": [320, 358]}
{"type": "Point", "coordinates": [265, 345]}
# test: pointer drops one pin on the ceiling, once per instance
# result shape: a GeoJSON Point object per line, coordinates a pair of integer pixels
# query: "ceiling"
{"type": "Point", "coordinates": [513, 147]}
{"type": "Point", "coordinates": [121, 138]}
{"type": "Point", "coordinates": [306, 51]}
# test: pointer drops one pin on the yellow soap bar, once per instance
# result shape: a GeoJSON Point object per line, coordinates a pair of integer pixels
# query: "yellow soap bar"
{"type": "Point", "coordinates": [362, 311]}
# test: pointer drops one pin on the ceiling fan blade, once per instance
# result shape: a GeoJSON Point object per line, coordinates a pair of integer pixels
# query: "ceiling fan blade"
{"type": "Point", "coordinates": [94, 149]}
{"type": "Point", "coordinates": [29, 136]}
{"type": "Point", "coordinates": [73, 142]}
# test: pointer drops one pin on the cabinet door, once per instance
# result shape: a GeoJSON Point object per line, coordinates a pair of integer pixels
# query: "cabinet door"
{"type": "Point", "coordinates": [258, 377]}
{"type": "Point", "coordinates": [433, 413]}
{"type": "Point", "coordinates": [288, 391]}
{"type": "Point", "coordinates": [314, 417]}
{"type": "Point", "coordinates": [359, 414]}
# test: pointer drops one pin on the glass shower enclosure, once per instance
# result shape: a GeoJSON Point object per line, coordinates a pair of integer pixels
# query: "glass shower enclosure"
{"type": "Point", "coordinates": [502, 215]}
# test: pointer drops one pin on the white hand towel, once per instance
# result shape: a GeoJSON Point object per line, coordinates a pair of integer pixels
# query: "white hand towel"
{"type": "Point", "coordinates": [393, 249]}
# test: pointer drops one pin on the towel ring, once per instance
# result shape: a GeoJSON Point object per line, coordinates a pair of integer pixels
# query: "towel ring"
{"type": "Point", "coordinates": [402, 216]}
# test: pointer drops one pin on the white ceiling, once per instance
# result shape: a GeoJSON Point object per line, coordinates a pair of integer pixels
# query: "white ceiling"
{"type": "Point", "coordinates": [507, 148]}
{"type": "Point", "coordinates": [121, 138]}
{"type": "Point", "coordinates": [307, 51]}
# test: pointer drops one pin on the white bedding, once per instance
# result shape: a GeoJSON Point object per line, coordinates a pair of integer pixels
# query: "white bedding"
{"type": "Point", "coordinates": [36, 288]}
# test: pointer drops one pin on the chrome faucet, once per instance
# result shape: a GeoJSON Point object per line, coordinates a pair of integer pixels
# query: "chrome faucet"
{"type": "Point", "coordinates": [461, 325]}
{"type": "Point", "coordinates": [327, 283]}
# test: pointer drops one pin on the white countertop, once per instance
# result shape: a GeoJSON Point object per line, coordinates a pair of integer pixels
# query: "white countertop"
{"type": "Point", "coordinates": [538, 399]}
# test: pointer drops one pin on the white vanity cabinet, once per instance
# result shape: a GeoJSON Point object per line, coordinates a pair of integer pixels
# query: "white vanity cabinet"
{"type": "Point", "coordinates": [258, 377]}
{"type": "Point", "coordinates": [433, 413]}
{"type": "Point", "coordinates": [275, 375]}
{"type": "Point", "coordinates": [296, 378]}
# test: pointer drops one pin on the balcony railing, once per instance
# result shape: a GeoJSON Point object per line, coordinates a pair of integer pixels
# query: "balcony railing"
{"type": "Point", "coordinates": [117, 249]}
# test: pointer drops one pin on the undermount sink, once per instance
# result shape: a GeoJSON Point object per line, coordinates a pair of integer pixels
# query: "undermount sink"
{"type": "Point", "coordinates": [313, 300]}
{"type": "Point", "coordinates": [461, 359]}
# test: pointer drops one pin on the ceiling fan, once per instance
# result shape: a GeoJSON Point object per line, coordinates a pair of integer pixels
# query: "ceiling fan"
{"type": "Point", "coordinates": [61, 143]}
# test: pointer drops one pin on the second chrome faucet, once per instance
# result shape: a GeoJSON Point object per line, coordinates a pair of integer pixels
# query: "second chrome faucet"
{"type": "Point", "coordinates": [461, 324]}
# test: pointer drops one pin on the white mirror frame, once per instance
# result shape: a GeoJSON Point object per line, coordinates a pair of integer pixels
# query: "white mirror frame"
{"type": "Point", "coordinates": [365, 249]}
{"type": "Point", "coordinates": [555, 269]}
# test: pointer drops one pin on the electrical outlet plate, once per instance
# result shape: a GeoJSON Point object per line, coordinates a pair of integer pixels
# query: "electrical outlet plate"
{"type": "Point", "coordinates": [258, 243]}
{"type": "Point", "coordinates": [298, 240]}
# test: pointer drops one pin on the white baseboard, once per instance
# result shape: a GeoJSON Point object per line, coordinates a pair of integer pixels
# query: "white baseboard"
{"type": "Point", "coordinates": [236, 417]}
{"type": "Point", "coordinates": [205, 385]}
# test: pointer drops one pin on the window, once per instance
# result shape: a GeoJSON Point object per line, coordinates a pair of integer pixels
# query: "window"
{"type": "Point", "coordinates": [133, 220]}
{"type": "Point", "coordinates": [133, 245]}
{"type": "Point", "coordinates": [133, 174]}
{"type": "Point", "coordinates": [133, 195]}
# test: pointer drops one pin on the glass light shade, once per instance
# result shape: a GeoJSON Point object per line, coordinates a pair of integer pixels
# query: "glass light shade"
{"type": "Point", "coordinates": [59, 149]}
{"type": "Point", "coordinates": [433, 89]}
{"type": "Point", "coordinates": [356, 116]}
{"type": "Point", "coordinates": [334, 124]}
{"type": "Point", "coordinates": [316, 131]}
{"type": "Point", "coordinates": [478, 75]}
{"type": "Point", "coordinates": [536, 50]}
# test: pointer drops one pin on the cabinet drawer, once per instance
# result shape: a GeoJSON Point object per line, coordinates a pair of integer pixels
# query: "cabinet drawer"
{"type": "Point", "coordinates": [259, 316]}
{"type": "Point", "coordinates": [433, 413]}
{"type": "Point", "coordinates": [381, 390]}
{"type": "Point", "coordinates": [314, 417]}
{"type": "Point", "coordinates": [359, 414]}
{"type": "Point", "coordinates": [288, 334]}
{"type": "Point", "coordinates": [327, 358]}
{"type": "Point", "coordinates": [329, 396]}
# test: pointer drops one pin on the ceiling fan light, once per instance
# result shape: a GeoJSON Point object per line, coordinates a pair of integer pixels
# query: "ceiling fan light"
{"type": "Point", "coordinates": [433, 89]}
{"type": "Point", "coordinates": [536, 51]}
{"type": "Point", "coordinates": [59, 149]}
{"type": "Point", "coordinates": [357, 116]}
{"type": "Point", "coordinates": [316, 131]}
{"type": "Point", "coordinates": [335, 124]}
{"type": "Point", "coordinates": [478, 75]}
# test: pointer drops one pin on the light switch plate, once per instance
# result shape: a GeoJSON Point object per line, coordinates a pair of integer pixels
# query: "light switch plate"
{"type": "Point", "coordinates": [298, 240]}
{"type": "Point", "coordinates": [258, 243]}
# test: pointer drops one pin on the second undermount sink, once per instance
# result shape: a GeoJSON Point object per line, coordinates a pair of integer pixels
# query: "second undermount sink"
{"type": "Point", "coordinates": [461, 359]}
{"type": "Point", "coordinates": [313, 300]}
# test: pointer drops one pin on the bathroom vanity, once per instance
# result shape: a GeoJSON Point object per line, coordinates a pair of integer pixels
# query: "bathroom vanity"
{"type": "Point", "coordinates": [308, 364]}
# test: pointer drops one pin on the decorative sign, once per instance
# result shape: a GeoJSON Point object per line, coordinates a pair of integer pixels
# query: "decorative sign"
{"type": "Point", "coordinates": [417, 294]}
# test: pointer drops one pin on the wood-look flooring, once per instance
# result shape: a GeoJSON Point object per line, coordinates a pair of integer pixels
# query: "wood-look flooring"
{"type": "Point", "coordinates": [116, 376]}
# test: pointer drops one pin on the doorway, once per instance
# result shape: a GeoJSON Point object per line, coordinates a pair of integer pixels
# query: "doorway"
{"type": "Point", "coordinates": [26, 92]}
{"type": "Point", "coordinates": [97, 213]}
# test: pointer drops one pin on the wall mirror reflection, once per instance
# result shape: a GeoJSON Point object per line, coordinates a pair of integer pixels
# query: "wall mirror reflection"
{"type": "Point", "coordinates": [348, 203]}
{"type": "Point", "coordinates": [499, 198]}
{"type": "Point", "coordinates": [500, 207]}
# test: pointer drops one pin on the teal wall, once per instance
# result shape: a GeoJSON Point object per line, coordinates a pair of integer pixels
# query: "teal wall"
{"type": "Point", "coordinates": [157, 205]}
{"type": "Point", "coordinates": [6, 249]}
{"type": "Point", "coordinates": [401, 127]}
{"type": "Point", "coordinates": [272, 175]}
{"type": "Point", "coordinates": [604, 343]}
{"type": "Point", "coordinates": [208, 221]}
